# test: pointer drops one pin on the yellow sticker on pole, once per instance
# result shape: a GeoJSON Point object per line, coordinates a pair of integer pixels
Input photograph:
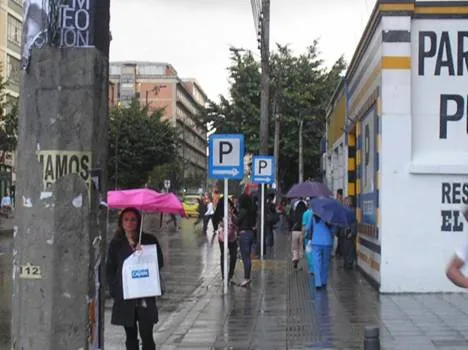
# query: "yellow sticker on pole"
{"type": "Point", "coordinates": [56, 164]}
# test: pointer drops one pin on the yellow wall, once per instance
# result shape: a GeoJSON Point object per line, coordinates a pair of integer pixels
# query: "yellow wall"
{"type": "Point", "coordinates": [336, 122]}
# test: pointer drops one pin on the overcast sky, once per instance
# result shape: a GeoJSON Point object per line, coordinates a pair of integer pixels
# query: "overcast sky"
{"type": "Point", "coordinates": [195, 35]}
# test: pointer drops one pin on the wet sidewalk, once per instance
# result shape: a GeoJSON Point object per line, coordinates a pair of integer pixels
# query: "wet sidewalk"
{"type": "Point", "coordinates": [282, 310]}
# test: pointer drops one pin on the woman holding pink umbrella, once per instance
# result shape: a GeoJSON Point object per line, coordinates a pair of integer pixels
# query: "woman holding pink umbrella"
{"type": "Point", "coordinates": [135, 315]}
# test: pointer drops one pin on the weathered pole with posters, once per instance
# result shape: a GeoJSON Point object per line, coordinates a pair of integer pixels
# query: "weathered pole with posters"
{"type": "Point", "coordinates": [59, 237]}
{"type": "Point", "coordinates": [265, 77]}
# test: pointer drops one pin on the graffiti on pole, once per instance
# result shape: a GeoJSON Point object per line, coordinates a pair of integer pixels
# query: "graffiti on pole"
{"type": "Point", "coordinates": [60, 23]}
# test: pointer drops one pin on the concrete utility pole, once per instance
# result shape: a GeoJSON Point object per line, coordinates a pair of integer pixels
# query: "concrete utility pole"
{"type": "Point", "coordinates": [265, 79]}
{"type": "Point", "coordinates": [60, 233]}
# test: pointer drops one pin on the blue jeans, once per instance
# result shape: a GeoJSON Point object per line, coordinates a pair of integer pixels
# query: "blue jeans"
{"type": "Point", "coordinates": [269, 239]}
{"type": "Point", "coordinates": [246, 239]}
{"type": "Point", "coordinates": [322, 256]}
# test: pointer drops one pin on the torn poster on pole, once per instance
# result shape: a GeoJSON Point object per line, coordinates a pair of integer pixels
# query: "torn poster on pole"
{"type": "Point", "coordinates": [60, 23]}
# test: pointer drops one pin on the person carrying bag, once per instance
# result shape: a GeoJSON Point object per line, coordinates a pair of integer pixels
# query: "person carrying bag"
{"type": "Point", "coordinates": [135, 259]}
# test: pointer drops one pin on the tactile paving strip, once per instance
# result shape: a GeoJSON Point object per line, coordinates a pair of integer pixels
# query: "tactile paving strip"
{"type": "Point", "coordinates": [302, 326]}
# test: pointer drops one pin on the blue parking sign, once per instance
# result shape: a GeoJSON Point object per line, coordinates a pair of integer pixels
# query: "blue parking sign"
{"type": "Point", "coordinates": [226, 156]}
{"type": "Point", "coordinates": [263, 169]}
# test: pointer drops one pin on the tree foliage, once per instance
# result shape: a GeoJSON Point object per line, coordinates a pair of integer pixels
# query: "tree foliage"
{"type": "Point", "coordinates": [8, 121]}
{"type": "Point", "coordinates": [137, 144]}
{"type": "Point", "coordinates": [301, 88]}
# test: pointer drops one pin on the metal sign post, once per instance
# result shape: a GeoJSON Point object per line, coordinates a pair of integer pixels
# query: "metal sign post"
{"type": "Point", "coordinates": [226, 161]}
{"type": "Point", "coordinates": [262, 222]}
{"type": "Point", "coordinates": [226, 233]}
{"type": "Point", "coordinates": [263, 173]}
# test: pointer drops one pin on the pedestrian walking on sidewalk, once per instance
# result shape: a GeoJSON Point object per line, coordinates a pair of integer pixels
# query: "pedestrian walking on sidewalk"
{"type": "Point", "coordinates": [297, 235]}
{"type": "Point", "coordinates": [322, 245]}
{"type": "Point", "coordinates": [232, 238]}
{"type": "Point", "coordinates": [459, 260]}
{"type": "Point", "coordinates": [271, 219]}
{"type": "Point", "coordinates": [208, 216]}
{"type": "Point", "coordinates": [201, 210]}
{"type": "Point", "coordinates": [340, 232]}
{"type": "Point", "coordinates": [281, 209]}
{"type": "Point", "coordinates": [349, 240]}
{"type": "Point", "coordinates": [245, 223]}
{"type": "Point", "coordinates": [135, 315]}
{"type": "Point", "coordinates": [307, 233]}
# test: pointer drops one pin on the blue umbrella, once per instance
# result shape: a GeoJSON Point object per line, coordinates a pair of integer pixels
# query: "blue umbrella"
{"type": "Point", "coordinates": [332, 211]}
{"type": "Point", "coordinates": [309, 189]}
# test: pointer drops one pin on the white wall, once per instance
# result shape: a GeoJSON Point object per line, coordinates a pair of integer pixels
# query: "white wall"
{"type": "Point", "coordinates": [416, 161]}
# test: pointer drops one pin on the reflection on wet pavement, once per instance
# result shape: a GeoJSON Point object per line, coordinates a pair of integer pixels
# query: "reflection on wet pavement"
{"type": "Point", "coordinates": [5, 289]}
{"type": "Point", "coordinates": [280, 310]}
{"type": "Point", "coordinates": [186, 262]}
{"type": "Point", "coordinates": [189, 264]}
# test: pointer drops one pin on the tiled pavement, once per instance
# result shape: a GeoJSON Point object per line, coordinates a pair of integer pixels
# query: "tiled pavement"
{"type": "Point", "coordinates": [281, 309]}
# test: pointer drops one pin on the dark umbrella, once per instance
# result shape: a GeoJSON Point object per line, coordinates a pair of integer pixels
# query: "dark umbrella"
{"type": "Point", "coordinates": [332, 211]}
{"type": "Point", "coordinates": [309, 189]}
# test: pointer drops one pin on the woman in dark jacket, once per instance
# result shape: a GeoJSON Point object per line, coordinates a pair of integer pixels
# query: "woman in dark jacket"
{"type": "Point", "coordinates": [129, 312]}
{"type": "Point", "coordinates": [245, 222]}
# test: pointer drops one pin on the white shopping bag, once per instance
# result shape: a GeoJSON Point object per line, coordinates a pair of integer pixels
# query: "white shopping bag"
{"type": "Point", "coordinates": [140, 274]}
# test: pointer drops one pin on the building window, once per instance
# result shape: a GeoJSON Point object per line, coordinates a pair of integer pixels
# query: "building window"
{"type": "Point", "coordinates": [14, 30]}
{"type": "Point", "coordinates": [127, 79]}
{"type": "Point", "coordinates": [13, 69]}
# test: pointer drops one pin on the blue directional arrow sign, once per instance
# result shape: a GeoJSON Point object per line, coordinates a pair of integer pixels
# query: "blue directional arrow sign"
{"type": "Point", "coordinates": [263, 169]}
{"type": "Point", "coordinates": [226, 156]}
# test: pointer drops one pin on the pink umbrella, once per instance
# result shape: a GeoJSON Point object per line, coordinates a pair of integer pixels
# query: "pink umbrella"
{"type": "Point", "coordinates": [145, 200]}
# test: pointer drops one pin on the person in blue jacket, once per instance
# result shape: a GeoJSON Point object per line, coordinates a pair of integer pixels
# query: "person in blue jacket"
{"type": "Point", "coordinates": [306, 217]}
{"type": "Point", "coordinates": [322, 245]}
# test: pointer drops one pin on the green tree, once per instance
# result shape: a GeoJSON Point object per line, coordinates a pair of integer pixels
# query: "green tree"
{"type": "Point", "coordinates": [138, 143]}
{"type": "Point", "coordinates": [9, 120]}
{"type": "Point", "coordinates": [301, 87]}
{"type": "Point", "coordinates": [240, 113]}
{"type": "Point", "coordinates": [172, 171]}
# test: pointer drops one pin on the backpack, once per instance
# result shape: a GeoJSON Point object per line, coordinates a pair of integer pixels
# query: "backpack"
{"type": "Point", "coordinates": [271, 215]}
{"type": "Point", "coordinates": [298, 212]}
{"type": "Point", "coordinates": [310, 228]}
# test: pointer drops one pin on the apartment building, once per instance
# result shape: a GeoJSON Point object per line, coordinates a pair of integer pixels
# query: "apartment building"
{"type": "Point", "coordinates": [157, 85]}
{"type": "Point", "coordinates": [11, 17]}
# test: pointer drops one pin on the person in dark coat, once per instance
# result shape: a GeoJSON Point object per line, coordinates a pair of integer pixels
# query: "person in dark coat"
{"type": "Point", "coordinates": [133, 314]}
{"type": "Point", "coordinates": [245, 222]}
{"type": "Point", "coordinates": [349, 241]}
{"type": "Point", "coordinates": [271, 219]}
